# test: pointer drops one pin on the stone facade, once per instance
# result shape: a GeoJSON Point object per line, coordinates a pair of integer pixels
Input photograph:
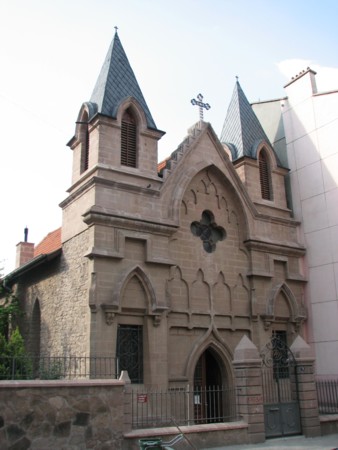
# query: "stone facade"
{"type": "Point", "coordinates": [189, 256]}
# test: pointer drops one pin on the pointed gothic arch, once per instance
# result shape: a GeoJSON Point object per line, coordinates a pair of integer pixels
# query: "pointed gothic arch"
{"type": "Point", "coordinates": [264, 164]}
{"type": "Point", "coordinates": [212, 341]}
{"type": "Point", "coordinates": [209, 371]}
{"type": "Point", "coordinates": [129, 154]}
{"type": "Point", "coordinates": [178, 301]}
{"type": "Point", "coordinates": [132, 119]}
{"type": "Point", "coordinates": [83, 133]}
{"type": "Point", "coordinates": [297, 312]}
{"type": "Point", "coordinates": [84, 142]}
{"type": "Point", "coordinates": [35, 334]}
{"type": "Point", "coordinates": [144, 281]}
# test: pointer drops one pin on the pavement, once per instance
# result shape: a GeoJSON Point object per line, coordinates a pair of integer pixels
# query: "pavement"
{"type": "Point", "coordinates": [329, 442]}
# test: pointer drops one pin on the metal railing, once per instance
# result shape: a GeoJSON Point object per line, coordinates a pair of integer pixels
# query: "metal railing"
{"type": "Point", "coordinates": [56, 367]}
{"type": "Point", "coordinates": [185, 406]}
{"type": "Point", "coordinates": [327, 393]}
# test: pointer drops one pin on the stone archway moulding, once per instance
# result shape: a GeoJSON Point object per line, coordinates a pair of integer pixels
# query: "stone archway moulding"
{"type": "Point", "coordinates": [114, 308]}
{"type": "Point", "coordinates": [210, 340]}
{"type": "Point", "coordinates": [298, 312]}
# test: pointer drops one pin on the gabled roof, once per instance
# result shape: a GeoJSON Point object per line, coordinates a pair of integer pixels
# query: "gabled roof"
{"type": "Point", "coordinates": [49, 244]}
{"type": "Point", "coordinates": [117, 82]}
{"type": "Point", "coordinates": [242, 131]}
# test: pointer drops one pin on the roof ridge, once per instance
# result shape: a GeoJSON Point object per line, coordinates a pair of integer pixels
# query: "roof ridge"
{"type": "Point", "coordinates": [166, 167]}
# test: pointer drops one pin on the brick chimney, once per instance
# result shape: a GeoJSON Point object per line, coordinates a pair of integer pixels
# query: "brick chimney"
{"type": "Point", "coordinates": [24, 251]}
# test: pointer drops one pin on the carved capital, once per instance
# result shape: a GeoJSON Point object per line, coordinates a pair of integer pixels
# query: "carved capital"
{"type": "Point", "coordinates": [157, 320]}
{"type": "Point", "coordinates": [109, 317]}
{"type": "Point", "coordinates": [109, 313]}
{"type": "Point", "coordinates": [298, 324]}
{"type": "Point", "coordinates": [267, 320]}
{"type": "Point", "coordinates": [157, 314]}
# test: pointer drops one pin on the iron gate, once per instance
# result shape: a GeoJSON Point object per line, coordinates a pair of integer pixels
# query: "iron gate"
{"type": "Point", "coordinates": [280, 389]}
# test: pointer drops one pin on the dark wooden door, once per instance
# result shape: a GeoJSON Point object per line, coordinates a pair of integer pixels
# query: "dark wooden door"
{"type": "Point", "coordinates": [208, 392]}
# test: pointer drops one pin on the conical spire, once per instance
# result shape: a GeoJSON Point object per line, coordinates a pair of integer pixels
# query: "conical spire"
{"type": "Point", "coordinates": [117, 82]}
{"type": "Point", "coordinates": [242, 131]}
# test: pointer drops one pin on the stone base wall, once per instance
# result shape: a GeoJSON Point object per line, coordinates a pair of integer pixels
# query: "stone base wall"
{"type": "Point", "coordinates": [328, 424]}
{"type": "Point", "coordinates": [95, 414]}
{"type": "Point", "coordinates": [70, 415]}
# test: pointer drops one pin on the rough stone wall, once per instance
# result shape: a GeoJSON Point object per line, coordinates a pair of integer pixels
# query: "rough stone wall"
{"type": "Point", "coordinates": [61, 415]}
{"type": "Point", "coordinates": [61, 288]}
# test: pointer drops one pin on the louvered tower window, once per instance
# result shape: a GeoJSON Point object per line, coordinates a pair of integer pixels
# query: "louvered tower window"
{"type": "Point", "coordinates": [86, 149]}
{"type": "Point", "coordinates": [128, 139]}
{"type": "Point", "coordinates": [264, 175]}
{"type": "Point", "coordinates": [85, 142]}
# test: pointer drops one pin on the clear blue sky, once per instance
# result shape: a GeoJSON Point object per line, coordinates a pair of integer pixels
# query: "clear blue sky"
{"type": "Point", "coordinates": [51, 53]}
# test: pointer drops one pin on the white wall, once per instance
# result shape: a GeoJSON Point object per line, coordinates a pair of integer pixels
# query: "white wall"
{"type": "Point", "coordinates": [311, 130]}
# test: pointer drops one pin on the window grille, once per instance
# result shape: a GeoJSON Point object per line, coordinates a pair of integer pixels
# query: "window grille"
{"type": "Point", "coordinates": [280, 354]}
{"type": "Point", "coordinates": [265, 177]}
{"type": "Point", "coordinates": [129, 352]}
{"type": "Point", "coordinates": [128, 140]}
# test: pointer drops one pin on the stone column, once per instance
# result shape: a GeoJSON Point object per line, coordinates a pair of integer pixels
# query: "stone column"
{"type": "Point", "coordinates": [308, 402]}
{"type": "Point", "coordinates": [247, 366]}
{"type": "Point", "coordinates": [127, 395]}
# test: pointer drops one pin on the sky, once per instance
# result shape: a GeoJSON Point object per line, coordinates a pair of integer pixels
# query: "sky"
{"type": "Point", "coordinates": [51, 53]}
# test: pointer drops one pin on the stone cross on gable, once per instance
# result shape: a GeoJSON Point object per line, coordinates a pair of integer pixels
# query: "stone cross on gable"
{"type": "Point", "coordinates": [200, 104]}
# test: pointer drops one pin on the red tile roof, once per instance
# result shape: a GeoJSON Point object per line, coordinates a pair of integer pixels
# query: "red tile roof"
{"type": "Point", "coordinates": [49, 244]}
{"type": "Point", "coordinates": [161, 165]}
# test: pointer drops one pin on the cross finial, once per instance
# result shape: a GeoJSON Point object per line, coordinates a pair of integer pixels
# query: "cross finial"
{"type": "Point", "coordinates": [116, 28]}
{"type": "Point", "coordinates": [200, 104]}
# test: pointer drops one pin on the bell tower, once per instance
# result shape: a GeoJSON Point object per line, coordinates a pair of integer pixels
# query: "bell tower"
{"type": "Point", "coordinates": [115, 143]}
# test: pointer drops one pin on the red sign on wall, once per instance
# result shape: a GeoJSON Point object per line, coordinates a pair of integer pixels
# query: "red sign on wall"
{"type": "Point", "coordinates": [142, 398]}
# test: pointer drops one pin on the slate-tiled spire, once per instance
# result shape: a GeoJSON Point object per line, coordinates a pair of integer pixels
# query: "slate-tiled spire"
{"type": "Point", "coordinates": [116, 82]}
{"type": "Point", "coordinates": [242, 131]}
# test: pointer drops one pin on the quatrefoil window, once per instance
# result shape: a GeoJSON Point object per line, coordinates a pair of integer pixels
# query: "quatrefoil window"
{"type": "Point", "coordinates": [209, 232]}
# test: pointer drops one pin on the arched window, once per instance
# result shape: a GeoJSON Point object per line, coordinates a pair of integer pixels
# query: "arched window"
{"type": "Point", "coordinates": [86, 149]}
{"type": "Point", "coordinates": [36, 330]}
{"type": "Point", "coordinates": [265, 176]}
{"type": "Point", "coordinates": [128, 139]}
{"type": "Point", "coordinates": [84, 142]}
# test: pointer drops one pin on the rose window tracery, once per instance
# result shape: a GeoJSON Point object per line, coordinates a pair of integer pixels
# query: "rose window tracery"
{"type": "Point", "coordinates": [208, 231]}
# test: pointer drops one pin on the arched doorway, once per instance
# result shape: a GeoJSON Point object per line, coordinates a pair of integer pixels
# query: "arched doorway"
{"type": "Point", "coordinates": [208, 389]}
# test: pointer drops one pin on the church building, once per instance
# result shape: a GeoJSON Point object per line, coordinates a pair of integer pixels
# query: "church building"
{"type": "Point", "coordinates": [165, 266]}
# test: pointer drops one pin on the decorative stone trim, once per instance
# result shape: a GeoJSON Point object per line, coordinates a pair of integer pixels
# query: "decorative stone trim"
{"type": "Point", "coordinates": [157, 320]}
{"type": "Point", "coordinates": [109, 312]}
{"type": "Point", "coordinates": [208, 231]}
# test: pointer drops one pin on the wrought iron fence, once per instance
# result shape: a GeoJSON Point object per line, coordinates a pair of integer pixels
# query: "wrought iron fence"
{"type": "Point", "coordinates": [56, 367]}
{"type": "Point", "coordinates": [327, 393]}
{"type": "Point", "coordinates": [183, 406]}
